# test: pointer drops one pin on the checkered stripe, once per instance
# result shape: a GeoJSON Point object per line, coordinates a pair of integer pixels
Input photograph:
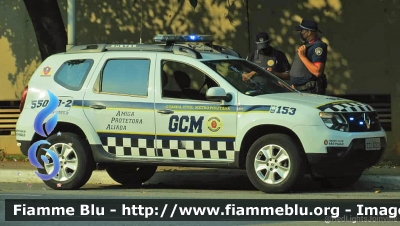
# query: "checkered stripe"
{"type": "Point", "coordinates": [126, 146]}
{"type": "Point", "coordinates": [347, 107]}
{"type": "Point", "coordinates": [187, 149]}
{"type": "Point", "coordinates": [195, 149]}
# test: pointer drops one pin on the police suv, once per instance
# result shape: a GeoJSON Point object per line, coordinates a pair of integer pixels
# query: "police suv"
{"type": "Point", "coordinates": [129, 108]}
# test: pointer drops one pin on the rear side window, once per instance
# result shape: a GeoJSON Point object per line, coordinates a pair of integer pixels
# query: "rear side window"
{"type": "Point", "coordinates": [72, 74]}
{"type": "Point", "coordinates": [126, 76]}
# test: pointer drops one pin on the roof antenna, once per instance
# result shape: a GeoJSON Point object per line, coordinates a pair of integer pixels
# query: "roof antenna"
{"type": "Point", "coordinates": [141, 21]}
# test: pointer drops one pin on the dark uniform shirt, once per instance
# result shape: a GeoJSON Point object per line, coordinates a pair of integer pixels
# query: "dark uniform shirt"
{"type": "Point", "coordinates": [316, 52]}
{"type": "Point", "coordinates": [273, 58]}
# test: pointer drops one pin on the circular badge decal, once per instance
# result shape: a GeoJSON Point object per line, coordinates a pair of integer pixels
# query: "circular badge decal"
{"type": "Point", "coordinates": [326, 142]}
{"type": "Point", "coordinates": [270, 63]}
{"type": "Point", "coordinates": [214, 124]}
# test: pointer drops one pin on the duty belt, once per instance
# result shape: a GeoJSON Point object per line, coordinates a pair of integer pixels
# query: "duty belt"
{"type": "Point", "coordinates": [309, 85]}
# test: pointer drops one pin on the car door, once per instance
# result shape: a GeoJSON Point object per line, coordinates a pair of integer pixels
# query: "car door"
{"type": "Point", "coordinates": [189, 127]}
{"type": "Point", "coordinates": [120, 106]}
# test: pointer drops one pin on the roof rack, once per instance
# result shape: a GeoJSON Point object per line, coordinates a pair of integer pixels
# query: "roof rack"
{"type": "Point", "coordinates": [224, 50]}
{"type": "Point", "coordinates": [213, 49]}
{"type": "Point", "coordinates": [170, 45]}
{"type": "Point", "coordinates": [90, 48]}
{"type": "Point", "coordinates": [186, 51]}
{"type": "Point", "coordinates": [97, 48]}
{"type": "Point", "coordinates": [137, 47]}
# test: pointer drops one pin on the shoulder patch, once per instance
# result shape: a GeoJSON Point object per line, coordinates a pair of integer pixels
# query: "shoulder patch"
{"type": "Point", "coordinates": [318, 51]}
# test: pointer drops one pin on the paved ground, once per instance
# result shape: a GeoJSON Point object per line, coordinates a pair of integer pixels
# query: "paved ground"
{"type": "Point", "coordinates": [384, 170]}
{"type": "Point", "coordinates": [181, 186]}
{"type": "Point", "coordinates": [189, 183]}
{"type": "Point", "coordinates": [13, 171]}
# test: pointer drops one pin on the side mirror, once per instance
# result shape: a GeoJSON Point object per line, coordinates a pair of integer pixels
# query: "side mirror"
{"type": "Point", "coordinates": [218, 94]}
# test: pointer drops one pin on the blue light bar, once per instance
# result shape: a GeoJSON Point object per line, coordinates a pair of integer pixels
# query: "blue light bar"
{"type": "Point", "coordinates": [183, 38]}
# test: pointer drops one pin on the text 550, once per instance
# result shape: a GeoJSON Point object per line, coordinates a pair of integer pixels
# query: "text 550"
{"type": "Point", "coordinates": [44, 103]}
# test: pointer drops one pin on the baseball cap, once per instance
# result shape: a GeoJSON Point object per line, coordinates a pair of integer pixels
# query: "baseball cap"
{"type": "Point", "coordinates": [262, 37]}
{"type": "Point", "coordinates": [310, 25]}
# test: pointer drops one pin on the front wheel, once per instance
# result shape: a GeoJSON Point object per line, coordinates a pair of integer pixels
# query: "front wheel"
{"type": "Point", "coordinates": [274, 163]}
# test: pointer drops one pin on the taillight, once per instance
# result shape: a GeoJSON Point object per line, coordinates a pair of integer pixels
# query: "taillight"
{"type": "Point", "coordinates": [21, 105]}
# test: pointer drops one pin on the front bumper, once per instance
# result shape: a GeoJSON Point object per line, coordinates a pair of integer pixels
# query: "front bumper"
{"type": "Point", "coordinates": [345, 161]}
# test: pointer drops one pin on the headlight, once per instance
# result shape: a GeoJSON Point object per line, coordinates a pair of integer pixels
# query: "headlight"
{"type": "Point", "coordinates": [334, 121]}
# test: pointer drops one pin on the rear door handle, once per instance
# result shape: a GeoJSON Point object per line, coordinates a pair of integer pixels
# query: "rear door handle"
{"type": "Point", "coordinates": [165, 111]}
{"type": "Point", "coordinates": [98, 106]}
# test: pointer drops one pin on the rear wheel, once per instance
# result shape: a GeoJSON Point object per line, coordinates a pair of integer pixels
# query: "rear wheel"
{"type": "Point", "coordinates": [132, 176]}
{"type": "Point", "coordinates": [274, 163]}
{"type": "Point", "coordinates": [74, 157]}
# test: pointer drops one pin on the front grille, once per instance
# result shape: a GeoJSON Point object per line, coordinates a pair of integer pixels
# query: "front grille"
{"type": "Point", "coordinates": [358, 121]}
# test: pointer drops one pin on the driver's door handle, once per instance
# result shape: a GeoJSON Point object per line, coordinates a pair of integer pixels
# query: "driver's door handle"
{"type": "Point", "coordinates": [165, 111]}
{"type": "Point", "coordinates": [95, 106]}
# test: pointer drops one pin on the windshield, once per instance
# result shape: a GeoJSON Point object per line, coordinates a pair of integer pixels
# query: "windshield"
{"type": "Point", "coordinates": [261, 83]}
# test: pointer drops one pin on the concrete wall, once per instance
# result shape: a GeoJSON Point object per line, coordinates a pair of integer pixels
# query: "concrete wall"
{"type": "Point", "coordinates": [362, 36]}
{"type": "Point", "coordinates": [9, 145]}
{"type": "Point", "coordinates": [19, 53]}
{"type": "Point", "coordinates": [128, 21]}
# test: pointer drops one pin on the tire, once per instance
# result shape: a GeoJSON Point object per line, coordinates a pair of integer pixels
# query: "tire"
{"type": "Point", "coordinates": [294, 163]}
{"type": "Point", "coordinates": [339, 182]}
{"type": "Point", "coordinates": [131, 176]}
{"type": "Point", "coordinates": [78, 166]}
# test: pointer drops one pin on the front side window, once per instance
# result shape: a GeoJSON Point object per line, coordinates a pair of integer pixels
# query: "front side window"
{"type": "Point", "coordinates": [183, 81]}
{"type": "Point", "coordinates": [72, 74]}
{"type": "Point", "coordinates": [126, 76]}
{"type": "Point", "coordinates": [261, 83]}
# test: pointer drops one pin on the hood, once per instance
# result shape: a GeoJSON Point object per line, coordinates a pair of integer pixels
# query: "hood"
{"type": "Point", "coordinates": [321, 102]}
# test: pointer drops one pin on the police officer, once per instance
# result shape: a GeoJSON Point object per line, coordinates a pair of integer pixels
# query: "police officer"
{"type": "Point", "coordinates": [268, 57]}
{"type": "Point", "coordinates": [309, 62]}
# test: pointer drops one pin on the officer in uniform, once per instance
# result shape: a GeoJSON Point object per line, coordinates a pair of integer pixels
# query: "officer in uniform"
{"type": "Point", "coordinates": [307, 72]}
{"type": "Point", "coordinates": [268, 57]}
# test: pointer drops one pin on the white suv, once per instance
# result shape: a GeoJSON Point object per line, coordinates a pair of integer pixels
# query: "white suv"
{"type": "Point", "coordinates": [130, 108]}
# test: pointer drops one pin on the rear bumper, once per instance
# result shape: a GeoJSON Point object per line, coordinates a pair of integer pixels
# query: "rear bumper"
{"type": "Point", "coordinates": [345, 161]}
{"type": "Point", "coordinates": [24, 146]}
